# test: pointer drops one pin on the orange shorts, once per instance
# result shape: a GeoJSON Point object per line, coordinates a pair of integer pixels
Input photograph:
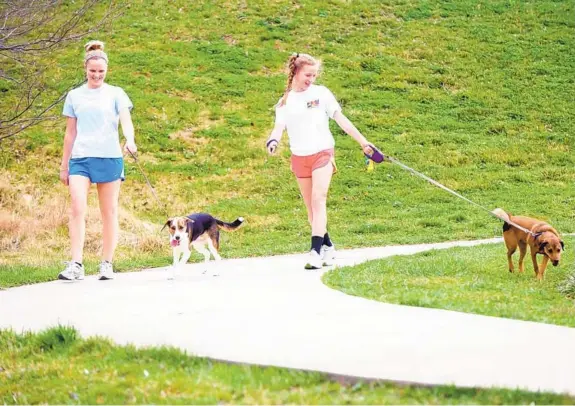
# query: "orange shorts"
{"type": "Point", "coordinates": [303, 166]}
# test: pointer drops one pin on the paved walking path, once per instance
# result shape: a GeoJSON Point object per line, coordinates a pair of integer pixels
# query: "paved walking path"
{"type": "Point", "coordinates": [270, 311]}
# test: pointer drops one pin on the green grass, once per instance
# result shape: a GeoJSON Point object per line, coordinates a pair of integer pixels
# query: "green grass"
{"type": "Point", "coordinates": [471, 280]}
{"type": "Point", "coordinates": [13, 275]}
{"type": "Point", "coordinates": [474, 94]}
{"type": "Point", "coordinates": [57, 366]}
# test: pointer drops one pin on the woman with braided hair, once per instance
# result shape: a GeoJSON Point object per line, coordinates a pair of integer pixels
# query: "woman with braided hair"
{"type": "Point", "coordinates": [92, 154]}
{"type": "Point", "coordinates": [304, 111]}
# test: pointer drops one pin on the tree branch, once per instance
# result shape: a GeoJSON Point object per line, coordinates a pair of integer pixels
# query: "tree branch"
{"type": "Point", "coordinates": [7, 131]}
{"type": "Point", "coordinates": [28, 29]}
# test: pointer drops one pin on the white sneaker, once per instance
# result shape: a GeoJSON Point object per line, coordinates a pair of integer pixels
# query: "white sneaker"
{"type": "Point", "coordinates": [72, 272]}
{"type": "Point", "coordinates": [327, 255]}
{"type": "Point", "coordinates": [314, 260]}
{"type": "Point", "coordinates": [106, 271]}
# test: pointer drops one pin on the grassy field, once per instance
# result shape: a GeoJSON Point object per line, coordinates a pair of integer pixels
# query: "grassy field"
{"type": "Point", "coordinates": [58, 366]}
{"type": "Point", "coordinates": [475, 94]}
{"type": "Point", "coordinates": [471, 280]}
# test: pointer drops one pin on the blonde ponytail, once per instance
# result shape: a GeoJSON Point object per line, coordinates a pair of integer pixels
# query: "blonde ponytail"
{"type": "Point", "coordinates": [95, 49]}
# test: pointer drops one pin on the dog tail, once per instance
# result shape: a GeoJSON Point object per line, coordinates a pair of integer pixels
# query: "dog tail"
{"type": "Point", "coordinates": [230, 226]}
{"type": "Point", "coordinates": [501, 214]}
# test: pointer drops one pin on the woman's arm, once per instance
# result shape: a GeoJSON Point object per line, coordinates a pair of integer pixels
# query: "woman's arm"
{"type": "Point", "coordinates": [349, 128]}
{"type": "Point", "coordinates": [353, 132]}
{"type": "Point", "coordinates": [128, 130]}
{"type": "Point", "coordinates": [69, 139]}
{"type": "Point", "coordinates": [275, 138]}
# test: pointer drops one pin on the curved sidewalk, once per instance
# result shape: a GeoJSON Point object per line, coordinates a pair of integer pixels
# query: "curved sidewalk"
{"type": "Point", "coordinates": [270, 311]}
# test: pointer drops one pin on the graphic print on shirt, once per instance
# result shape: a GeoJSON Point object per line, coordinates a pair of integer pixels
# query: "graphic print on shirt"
{"type": "Point", "coordinates": [313, 104]}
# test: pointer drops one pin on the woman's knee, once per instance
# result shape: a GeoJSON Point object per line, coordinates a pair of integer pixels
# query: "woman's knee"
{"type": "Point", "coordinates": [109, 211]}
{"type": "Point", "coordinates": [319, 198]}
{"type": "Point", "coordinates": [78, 209]}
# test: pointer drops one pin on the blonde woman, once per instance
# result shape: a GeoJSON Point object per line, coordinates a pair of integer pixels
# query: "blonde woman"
{"type": "Point", "coordinates": [92, 154]}
{"type": "Point", "coordinates": [304, 112]}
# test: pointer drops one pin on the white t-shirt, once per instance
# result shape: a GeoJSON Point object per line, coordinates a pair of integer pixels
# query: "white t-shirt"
{"type": "Point", "coordinates": [97, 112]}
{"type": "Point", "coordinates": [305, 116]}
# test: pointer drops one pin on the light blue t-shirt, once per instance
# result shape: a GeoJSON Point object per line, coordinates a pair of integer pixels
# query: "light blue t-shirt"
{"type": "Point", "coordinates": [97, 112]}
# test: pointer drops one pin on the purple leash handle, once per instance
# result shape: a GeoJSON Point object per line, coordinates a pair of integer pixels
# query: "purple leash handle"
{"type": "Point", "coordinates": [377, 155]}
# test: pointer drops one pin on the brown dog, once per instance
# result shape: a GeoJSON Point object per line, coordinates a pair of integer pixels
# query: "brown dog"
{"type": "Point", "coordinates": [543, 239]}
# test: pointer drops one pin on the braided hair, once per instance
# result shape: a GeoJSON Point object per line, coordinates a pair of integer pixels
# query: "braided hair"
{"type": "Point", "coordinates": [295, 62]}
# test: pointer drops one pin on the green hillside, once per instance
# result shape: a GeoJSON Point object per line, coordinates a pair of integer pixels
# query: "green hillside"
{"type": "Point", "coordinates": [475, 94]}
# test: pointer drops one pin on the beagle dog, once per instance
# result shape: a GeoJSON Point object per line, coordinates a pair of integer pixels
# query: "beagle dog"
{"type": "Point", "coordinates": [198, 230]}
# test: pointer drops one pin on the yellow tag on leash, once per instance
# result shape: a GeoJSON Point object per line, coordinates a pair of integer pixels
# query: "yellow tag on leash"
{"type": "Point", "coordinates": [370, 166]}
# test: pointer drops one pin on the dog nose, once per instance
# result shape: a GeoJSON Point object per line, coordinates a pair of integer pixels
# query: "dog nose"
{"type": "Point", "coordinates": [177, 237]}
{"type": "Point", "coordinates": [555, 263]}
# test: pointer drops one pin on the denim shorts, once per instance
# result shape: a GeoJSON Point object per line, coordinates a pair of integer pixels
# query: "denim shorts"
{"type": "Point", "coordinates": [98, 170]}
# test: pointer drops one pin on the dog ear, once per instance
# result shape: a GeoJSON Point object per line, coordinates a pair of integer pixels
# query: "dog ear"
{"type": "Point", "coordinates": [189, 224]}
{"type": "Point", "coordinates": [542, 246]}
{"type": "Point", "coordinates": [562, 245]}
{"type": "Point", "coordinates": [169, 222]}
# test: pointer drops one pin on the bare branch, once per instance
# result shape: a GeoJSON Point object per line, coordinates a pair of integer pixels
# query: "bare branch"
{"type": "Point", "coordinates": [4, 76]}
{"type": "Point", "coordinates": [7, 131]}
{"type": "Point", "coordinates": [64, 32]}
{"type": "Point", "coordinates": [29, 28]}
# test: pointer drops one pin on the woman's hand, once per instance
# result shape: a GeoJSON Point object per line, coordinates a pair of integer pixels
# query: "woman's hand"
{"type": "Point", "coordinates": [130, 146]}
{"type": "Point", "coordinates": [64, 174]}
{"type": "Point", "coordinates": [367, 148]}
{"type": "Point", "coordinates": [272, 146]}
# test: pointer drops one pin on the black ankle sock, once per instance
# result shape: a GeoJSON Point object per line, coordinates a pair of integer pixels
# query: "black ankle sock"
{"type": "Point", "coordinates": [326, 240]}
{"type": "Point", "coordinates": [316, 243]}
{"type": "Point", "coordinates": [79, 263]}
